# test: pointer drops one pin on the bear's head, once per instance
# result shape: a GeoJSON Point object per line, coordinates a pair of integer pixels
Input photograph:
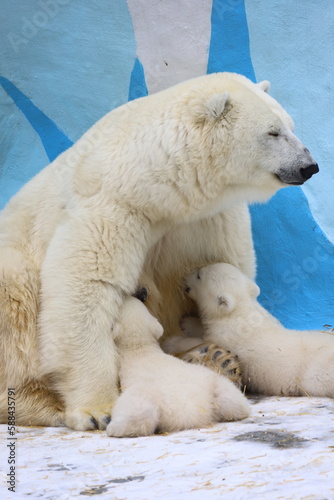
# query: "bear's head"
{"type": "Point", "coordinates": [218, 289]}
{"type": "Point", "coordinates": [192, 150]}
{"type": "Point", "coordinates": [136, 327]}
{"type": "Point", "coordinates": [252, 150]}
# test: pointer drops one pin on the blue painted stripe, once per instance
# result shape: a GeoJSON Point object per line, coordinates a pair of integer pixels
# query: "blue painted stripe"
{"type": "Point", "coordinates": [137, 87]}
{"type": "Point", "coordinates": [295, 259]}
{"type": "Point", "coordinates": [229, 43]}
{"type": "Point", "coordinates": [54, 140]}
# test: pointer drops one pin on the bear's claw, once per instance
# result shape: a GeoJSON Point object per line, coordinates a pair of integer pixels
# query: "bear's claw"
{"type": "Point", "coordinates": [89, 419]}
{"type": "Point", "coordinates": [216, 359]}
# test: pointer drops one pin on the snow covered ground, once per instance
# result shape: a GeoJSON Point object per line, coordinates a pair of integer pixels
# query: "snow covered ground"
{"type": "Point", "coordinates": [285, 450]}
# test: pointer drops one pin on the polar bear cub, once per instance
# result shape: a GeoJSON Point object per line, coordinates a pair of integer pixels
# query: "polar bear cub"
{"type": "Point", "coordinates": [159, 393]}
{"type": "Point", "coordinates": [274, 360]}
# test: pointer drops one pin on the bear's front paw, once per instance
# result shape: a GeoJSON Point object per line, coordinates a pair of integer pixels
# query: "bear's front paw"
{"type": "Point", "coordinates": [88, 419]}
{"type": "Point", "coordinates": [217, 359]}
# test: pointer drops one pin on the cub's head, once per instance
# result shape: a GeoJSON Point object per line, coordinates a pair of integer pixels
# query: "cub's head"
{"type": "Point", "coordinates": [219, 289]}
{"type": "Point", "coordinates": [136, 326]}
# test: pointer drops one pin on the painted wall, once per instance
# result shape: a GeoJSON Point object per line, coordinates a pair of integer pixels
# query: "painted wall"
{"type": "Point", "coordinates": [64, 64]}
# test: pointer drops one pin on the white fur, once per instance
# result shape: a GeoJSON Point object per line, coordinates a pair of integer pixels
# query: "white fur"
{"type": "Point", "coordinates": [275, 360]}
{"type": "Point", "coordinates": [152, 176]}
{"type": "Point", "coordinates": [160, 392]}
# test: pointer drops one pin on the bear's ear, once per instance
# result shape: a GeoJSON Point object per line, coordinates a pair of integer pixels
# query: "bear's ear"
{"type": "Point", "coordinates": [226, 302]}
{"type": "Point", "coordinates": [216, 105]}
{"type": "Point", "coordinates": [265, 86]}
{"type": "Point", "coordinates": [253, 289]}
{"type": "Point", "coordinates": [210, 107]}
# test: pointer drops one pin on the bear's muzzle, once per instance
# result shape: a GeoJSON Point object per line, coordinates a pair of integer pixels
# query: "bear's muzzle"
{"type": "Point", "coordinates": [298, 177]}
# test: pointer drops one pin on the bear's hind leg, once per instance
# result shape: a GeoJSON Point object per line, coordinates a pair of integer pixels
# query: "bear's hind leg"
{"type": "Point", "coordinates": [34, 405]}
{"type": "Point", "coordinates": [21, 390]}
{"type": "Point", "coordinates": [19, 291]}
{"type": "Point", "coordinates": [195, 350]}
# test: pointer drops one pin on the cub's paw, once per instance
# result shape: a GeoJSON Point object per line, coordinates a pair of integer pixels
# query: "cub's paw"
{"type": "Point", "coordinates": [133, 416]}
{"type": "Point", "coordinates": [119, 429]}
{"type": "Point", "coordinates": [129, 427]}
{"type": "Point", "coordinates": [217, 359]}
{"type": "Point", "coordinates": [229, 402]}
{"type": "Point", "coordinates": [89, 419]}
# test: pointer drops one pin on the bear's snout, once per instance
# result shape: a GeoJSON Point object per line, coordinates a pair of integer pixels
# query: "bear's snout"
{"type": "Point", "coordinates": [299, 176]}
{"type": "Point", "coordinates": [307, 172]}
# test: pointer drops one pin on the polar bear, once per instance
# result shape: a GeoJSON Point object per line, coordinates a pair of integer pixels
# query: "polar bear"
{"type": "Point", "coordinates": [153, 398]}
{"type": "Point", "coordinates": [274, 360]}
{"type": "Point", "coordinates": [158, 186]}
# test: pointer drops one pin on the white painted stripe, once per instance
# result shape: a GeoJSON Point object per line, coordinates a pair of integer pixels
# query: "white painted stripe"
{"type": "Point", "coordinates": [173, 39]}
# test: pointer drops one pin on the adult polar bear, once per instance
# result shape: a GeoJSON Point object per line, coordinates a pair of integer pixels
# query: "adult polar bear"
{"type": "Point", "coordinates": [158, 184]}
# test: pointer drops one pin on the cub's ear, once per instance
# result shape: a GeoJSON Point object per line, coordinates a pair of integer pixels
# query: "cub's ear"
{"type": "Point", "coordinates": [253, 289]}
{"type": "Point", "coordinates": [265, 86]}
{"type": "Point", "coordinates": [226, 302]}
{"type": "Point", "coordinates": [156, 329]}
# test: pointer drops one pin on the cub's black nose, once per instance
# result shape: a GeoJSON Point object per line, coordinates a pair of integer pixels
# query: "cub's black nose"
{"type": "Point", "coordinates": [141, 294]}
{"type": "Point", "coordinates": [307, 172]}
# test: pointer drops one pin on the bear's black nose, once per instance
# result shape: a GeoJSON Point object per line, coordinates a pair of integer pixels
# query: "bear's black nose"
{"type": "Point", "coordinates": [307, 172]}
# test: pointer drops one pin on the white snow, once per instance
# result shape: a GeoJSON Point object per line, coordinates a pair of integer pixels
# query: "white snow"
{"type": "Point", "coordinates": [285, 450]}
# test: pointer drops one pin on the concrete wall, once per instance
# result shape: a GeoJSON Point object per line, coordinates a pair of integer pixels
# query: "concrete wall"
{"type": "Point", "coordinates": [66, 63]}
